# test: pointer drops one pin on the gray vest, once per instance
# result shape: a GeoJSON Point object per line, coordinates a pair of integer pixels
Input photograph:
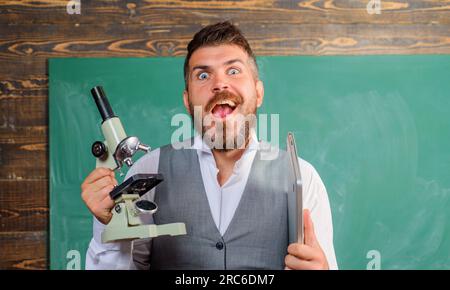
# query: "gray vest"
{"type": "Point", "coordinates": [257, 237]}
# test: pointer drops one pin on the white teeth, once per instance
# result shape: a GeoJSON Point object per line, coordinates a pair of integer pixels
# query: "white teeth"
{"type": "Point", "coordinates": [227, 102]}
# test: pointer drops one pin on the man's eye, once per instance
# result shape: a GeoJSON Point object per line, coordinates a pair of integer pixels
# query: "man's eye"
{"type": "Point", "coordinates": [233, 71]}
{"type": "Point", "coordinates": [203, 75]}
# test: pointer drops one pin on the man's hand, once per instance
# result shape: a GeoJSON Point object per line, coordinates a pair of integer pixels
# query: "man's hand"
{"type": "Point", "coordinates": [95, 193]}
{"type": "Point", "coordinates": [307, 256]}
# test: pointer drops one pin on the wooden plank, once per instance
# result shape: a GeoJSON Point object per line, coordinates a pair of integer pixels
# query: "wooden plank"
{"type": "Point", "coordinates": [23, 129]}
{"type": "Point", "coordinates": [23, 134]}
{"type": "Point", "coordinates": [18, 111]}
{"type": "Point", "coordinates": [24, 205]}
{"type": "Point", "coordinates": [29, 51]}
{"type": "Point", "coordinates": [23, 138]}
{"type": "Point", "coordinates": [119, 38]}
{"type": "Point", "coordinates": [23, 161]}
{"type": "Point", "coordinates": [23, 250]}
{"type": "Point", "coordinates": [32, 85]}
{"type": "Point", "coordinates": [23, 193]}
{"type": "Point", "coordinates": [247, 11]}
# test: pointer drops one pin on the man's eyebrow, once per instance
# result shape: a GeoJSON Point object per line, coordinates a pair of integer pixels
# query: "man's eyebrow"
{"type": "Point", "coordinates": [233, 61]}
{"type": "Point", "coordinates": [206, 67]}
{"type": "Point", "coordinates": [203, 67]}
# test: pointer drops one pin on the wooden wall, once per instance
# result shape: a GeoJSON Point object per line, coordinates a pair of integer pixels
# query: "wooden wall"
{"type": "Point", "coordinates": [31, 31]}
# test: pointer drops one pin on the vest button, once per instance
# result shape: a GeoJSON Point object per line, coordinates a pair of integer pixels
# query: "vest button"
{"type": "Point", "coordinates": [219, 246]}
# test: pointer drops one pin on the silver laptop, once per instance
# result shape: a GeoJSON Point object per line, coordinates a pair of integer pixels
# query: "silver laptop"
{"type": "Point", "coordinates": [295, 195]}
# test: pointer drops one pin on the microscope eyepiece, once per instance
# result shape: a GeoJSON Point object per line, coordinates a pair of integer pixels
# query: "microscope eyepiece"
{"type": "Point", "coordinates": [102, 103]}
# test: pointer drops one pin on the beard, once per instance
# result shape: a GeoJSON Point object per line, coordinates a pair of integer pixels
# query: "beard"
{"type": "Point", "coordinates": [225, 134]}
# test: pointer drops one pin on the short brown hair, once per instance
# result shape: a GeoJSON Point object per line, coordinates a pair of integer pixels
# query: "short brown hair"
{"type": "Point", "coordinates": [217, 34]}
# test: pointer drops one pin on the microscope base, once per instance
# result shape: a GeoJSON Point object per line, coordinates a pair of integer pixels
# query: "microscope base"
{"type": "Point", "coordinates": [111, 234]}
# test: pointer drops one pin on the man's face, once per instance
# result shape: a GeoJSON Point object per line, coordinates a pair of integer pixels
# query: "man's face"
{"type": "Point", "coordinates": [222, 83]}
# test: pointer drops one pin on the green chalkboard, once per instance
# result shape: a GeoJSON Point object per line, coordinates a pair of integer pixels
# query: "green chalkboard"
{"type": "Point", "coordinates": [376, 128]}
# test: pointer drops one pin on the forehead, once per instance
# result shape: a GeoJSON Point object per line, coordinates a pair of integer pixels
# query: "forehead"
{"type": "Point", "coordinates": [217, 55]}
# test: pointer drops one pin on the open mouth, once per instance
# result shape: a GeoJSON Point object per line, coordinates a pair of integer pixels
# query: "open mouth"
{"type": "Point", "coordinates": [223, 109]}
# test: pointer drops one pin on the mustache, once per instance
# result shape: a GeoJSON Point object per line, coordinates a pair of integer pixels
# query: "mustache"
{"type": "Point", "coordinates": [223, 96]}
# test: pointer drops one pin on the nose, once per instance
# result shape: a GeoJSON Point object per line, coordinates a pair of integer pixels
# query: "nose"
{"type": "Point", "coordinates": [219, 84]}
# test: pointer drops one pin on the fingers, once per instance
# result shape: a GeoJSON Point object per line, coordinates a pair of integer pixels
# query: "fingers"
{"type": "Point", "coordinates": [97, 174]}
{"type": "Point", "coordinates": [293, 262]}
{"type": "Point", "coordinates": [100, 200]}
{"type": "Point", "coordinates": [100, 203]}
{"type": "Point", "coordinates": [310, 236]}
{"type": "Point", "coordinates": [103, 193]}
{"type": "Point", "coordinates": [93, 197]}
{"type": "Point", "coordinates": [96, 190]}
{"type": "Point", "coordinates": [95, 193]}
{"type": "Point", "coordinates": [308, 255]}
{"type": "Point", "coordinates": [103, 182]}
{"type": "Point", "coordinates": [303, 252]}
{"type": "Point", "coordinates": [107, 202]}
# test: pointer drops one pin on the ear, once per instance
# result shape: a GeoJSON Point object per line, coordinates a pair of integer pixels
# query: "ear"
{"type": "Point", "coordinates": [259, 93]}
{"type": "Point", "coordinates": [186, 101]}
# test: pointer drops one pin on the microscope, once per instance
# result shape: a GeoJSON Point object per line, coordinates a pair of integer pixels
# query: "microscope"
{"type": "Point", "coordinates": [117, 149]}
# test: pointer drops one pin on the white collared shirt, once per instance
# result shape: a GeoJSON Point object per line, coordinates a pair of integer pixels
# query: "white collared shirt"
{"type": "Point", "coordinates": [223, 201]}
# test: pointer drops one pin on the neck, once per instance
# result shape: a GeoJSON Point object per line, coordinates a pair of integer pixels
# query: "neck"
{"type": "Point", "coordinates": [228, 155]}
{"type": "Point", "coordinates": [225, 161]}
{"type": "Point", "coordinates": [231, 154]}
